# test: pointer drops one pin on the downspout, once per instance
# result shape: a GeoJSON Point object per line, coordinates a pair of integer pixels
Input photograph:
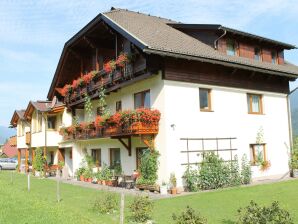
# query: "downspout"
{"type": "Point", "coordinates": [216, 41]}
{"type": "Point", "coordinates": [45, 135]}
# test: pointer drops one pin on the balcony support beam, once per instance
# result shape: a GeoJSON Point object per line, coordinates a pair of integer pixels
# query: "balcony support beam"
{"type": "Point", "coordinates": [126, 145]}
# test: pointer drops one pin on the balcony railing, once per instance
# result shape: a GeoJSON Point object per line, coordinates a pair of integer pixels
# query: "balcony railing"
{"type": "Point", "coordinates": [102, 79]}
{"type": "Point", "coordinates": [13, 141]}
{"type": "Point", "coordinates": [103, 132]}
{"type": "Point", "coordinates": [28, 138]}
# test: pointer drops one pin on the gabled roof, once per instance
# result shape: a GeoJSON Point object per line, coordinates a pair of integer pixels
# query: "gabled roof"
{"type": "Point", "coordinates": [41, 106]}
{"type": "Point", "coordinates": [155, 35]}
{"type": "Point", "coordinates": [17, 115]}
{"type": "Point", "coordinates": [160, 38]}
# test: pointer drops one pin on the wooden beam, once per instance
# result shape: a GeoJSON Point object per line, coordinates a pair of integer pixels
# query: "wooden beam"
{"type": "Point", "coordinates": [89, 42]}
{"type": "Point", "coordinates": [77, 55]}
{"type": "Point", "coordinates": [128, 145]}
{"type": "Point", "coordinates": [33, 156]}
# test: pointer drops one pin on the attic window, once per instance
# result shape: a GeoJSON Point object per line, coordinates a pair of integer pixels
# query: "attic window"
{"type": "Point", "coordinates": [231, 47]}
{"type": "Point", "coordinates": [257, 56]}
{"type": "Point", "coordinates": [273, 57]}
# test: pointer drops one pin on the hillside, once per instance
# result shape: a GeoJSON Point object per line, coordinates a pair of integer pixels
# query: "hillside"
{"type": "Point", "coordinates": [5, 133]}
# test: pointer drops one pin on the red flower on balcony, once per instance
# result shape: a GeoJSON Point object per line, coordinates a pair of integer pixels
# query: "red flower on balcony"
{"type": "Point", "coordinates": [75, 84]}
{"type": "Point", "coordinates": [114, 120]}
{"type": "Point", "coordinates": [109, 66]}
{"type": "Point", "coordinates": [66, 90]}
{"type": "Point", "coordinates": [99, 121]}
{"type": "Point", "coordinates": [122, 59]}
{"type": "Point", "coordinates": [71, 129]}
{"type": "Point", "coordinates": [87, 78]}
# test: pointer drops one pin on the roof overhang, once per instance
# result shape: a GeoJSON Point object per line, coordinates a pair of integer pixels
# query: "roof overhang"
{"type": "Point", "coordinates": [214, 61]}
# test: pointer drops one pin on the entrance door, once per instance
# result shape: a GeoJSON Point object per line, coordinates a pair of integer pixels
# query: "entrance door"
{"type": "Point", "coordinates": [61, 155]}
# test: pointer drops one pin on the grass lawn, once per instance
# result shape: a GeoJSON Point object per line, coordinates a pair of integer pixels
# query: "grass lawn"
{"type": "Point", "coordinates": [40, 206]}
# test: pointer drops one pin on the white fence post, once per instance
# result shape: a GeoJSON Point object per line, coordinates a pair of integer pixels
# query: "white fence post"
{"type": "Point", "coordinates": [122, 209]}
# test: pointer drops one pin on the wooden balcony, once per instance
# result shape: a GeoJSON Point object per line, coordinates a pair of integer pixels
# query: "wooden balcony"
{"type": "Point", "coordinates": [135, 129]}
{"type": "Point", "coordinates": [13, 141]}
{"type": "Point", "coordinates": [28, 138]}
{"type": "Point", "coordinates": [110, 81]}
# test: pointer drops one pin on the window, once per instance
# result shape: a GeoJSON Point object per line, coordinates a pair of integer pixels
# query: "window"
{"type": "Point", "coordinates": [142, 99]}
{"type": "Point", "coordinates": [52, 122]}
{"type": "Point", "coordinates": [70, 153]}
{"type": "Point", "coordinates": [258, 153]}
{"type": "Point", "coordinates": [254, 102]}
{"type": "Point", "coordinates": [273, 57]}
{"type": "Point", "coordinates": [205, 99]}
{"type": "Point", "coordinates": [118, 106]}
{"type": "Point", "coordinates": [231, 47]}
{"type": "Point", "coordinates": [115, 157]}
{"type": "Point", "coordinates": [96, 155]}
{"type": "Point", "coordinates": [257, 54]}
{"type": "Point", "coordinates": [37, 122]}
{"type": "Point", "coordinates": [139, 152]}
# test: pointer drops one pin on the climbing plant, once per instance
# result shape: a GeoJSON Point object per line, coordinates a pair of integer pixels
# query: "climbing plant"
{"type": "Point", "coordinates": [88, 108]}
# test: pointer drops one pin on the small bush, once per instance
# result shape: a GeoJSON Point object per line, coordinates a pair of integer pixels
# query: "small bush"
{"type": "Point", "coordinates": [141, 209]}
{"type": "Point", "coordinates": [191, 178]}
{"type": "Point", "coordinates": [255, 214]}
{"type": "Point", "coordinates": [106, 203]}
{"type": "Point", "coordinates": [214, 172]}
{"type": "Point", "coordinates": [189, 216]}
{"type": "Point", "coordinates": [235, 178]}
{"type": "Point", "coordinates": [245, 170]}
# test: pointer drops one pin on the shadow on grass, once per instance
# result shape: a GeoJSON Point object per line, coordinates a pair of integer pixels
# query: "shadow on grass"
{"type": "Point", "coordinates": [228, 221]}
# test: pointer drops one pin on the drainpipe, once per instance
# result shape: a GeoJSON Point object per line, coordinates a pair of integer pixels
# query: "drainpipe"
{"type": "Point", "coordinates": [45, 134]}
{"type": "Point", "coordinates": [216, 41]}
{"type": "Point", "coordinates": [290, 124]}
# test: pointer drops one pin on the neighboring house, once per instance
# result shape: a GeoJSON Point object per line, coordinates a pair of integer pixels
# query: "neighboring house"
{"type": "Point", "coordinates": [216, 88]}
{"type": "Point", "coordinates": [37, 127]}
{"type": "Point", "coordinates": [9, 149]}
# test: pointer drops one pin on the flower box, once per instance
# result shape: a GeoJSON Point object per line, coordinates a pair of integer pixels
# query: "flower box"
{"type": "Point", "coordinates": [112, 130]}
{"type": "Point", "coordinates": [141, 128]}
{"type": "Point", "coordinates": [148, 187]}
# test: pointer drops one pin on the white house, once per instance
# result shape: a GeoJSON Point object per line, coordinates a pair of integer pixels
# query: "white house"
{"type": "Point", "coordinates": [216, 88]}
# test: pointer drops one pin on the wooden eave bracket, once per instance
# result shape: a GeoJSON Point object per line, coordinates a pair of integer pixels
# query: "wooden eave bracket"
{"type": "Point", "coordinates": [126, 145]}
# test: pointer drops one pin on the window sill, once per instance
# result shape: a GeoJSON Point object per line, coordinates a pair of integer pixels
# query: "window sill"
{"type": "Point", "coordinates": [256, 113]}
{"type": "Point", "coordinates": [206, 110]}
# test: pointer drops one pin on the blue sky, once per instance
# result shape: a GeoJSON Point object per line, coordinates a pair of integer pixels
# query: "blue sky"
{"type": "Point", "coordinates": [32, 34]}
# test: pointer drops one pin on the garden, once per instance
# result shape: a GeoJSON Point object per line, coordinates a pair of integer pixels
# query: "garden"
{"type": "Point", "coordinates": [83, 205]}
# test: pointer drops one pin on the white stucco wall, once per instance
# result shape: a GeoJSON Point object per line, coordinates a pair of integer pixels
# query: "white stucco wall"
{"type": "Point", "coordinates": [21, 140]}
{"type": "Point", "coordinates": [181, 117]}
{"type": "Point", "coordinates": [229, 118]}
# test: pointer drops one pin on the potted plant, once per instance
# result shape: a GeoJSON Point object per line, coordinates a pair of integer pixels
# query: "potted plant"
{"type": "Point", "coordinates": [164, 188]}
{"type": "Point", "coordinates": [87, 175]}
{"type": "Point", "coordinates": [98, 176]}
{"type": "Point", "coordinates": [173, 182]}
{"type": "Point", "coordinates": [80, 174]}
{"type": "Point", "coordinates": [265, 165]}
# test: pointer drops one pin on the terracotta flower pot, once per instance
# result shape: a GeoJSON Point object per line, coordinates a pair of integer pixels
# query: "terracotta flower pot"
{"type": "Point", "coordinates": [109, 183]}
{"type": "Point", "coordinates": [89, 180]}
{"type": "Point", "coordinates": [174, 190]}
{"type": "Point", "coordinates": [81, 178]}
{"type": "Point", "coordinates": [103, 182]}
{"type": "Point", "coordinates": [99, 181]}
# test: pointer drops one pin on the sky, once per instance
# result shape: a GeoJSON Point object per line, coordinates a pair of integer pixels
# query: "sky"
{"type": "Point", "coordinates": [33, 33]}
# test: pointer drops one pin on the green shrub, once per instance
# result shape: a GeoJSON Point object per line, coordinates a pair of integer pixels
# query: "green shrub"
{"type": "Point", "coordinates": [191, 178]}
{"type": "Point", "coordinates": [213, 173]}
{"type": "Point", "coordinates": [255, 214]}
{"type": "Point", "coordinates": [106, 203]}
{"type": "Point", "coordinates": [141, 209]}
{"type": "Point", "coordinates": [39, 161]}
{"type": "Point", "coordinates": [235, 176]}
{"type": "Point", "coordinates": [245, 170]}
{"type": "Point", "coordinates": [189, 216]}
{"type": "Point", "coordinates": [149, 167]}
